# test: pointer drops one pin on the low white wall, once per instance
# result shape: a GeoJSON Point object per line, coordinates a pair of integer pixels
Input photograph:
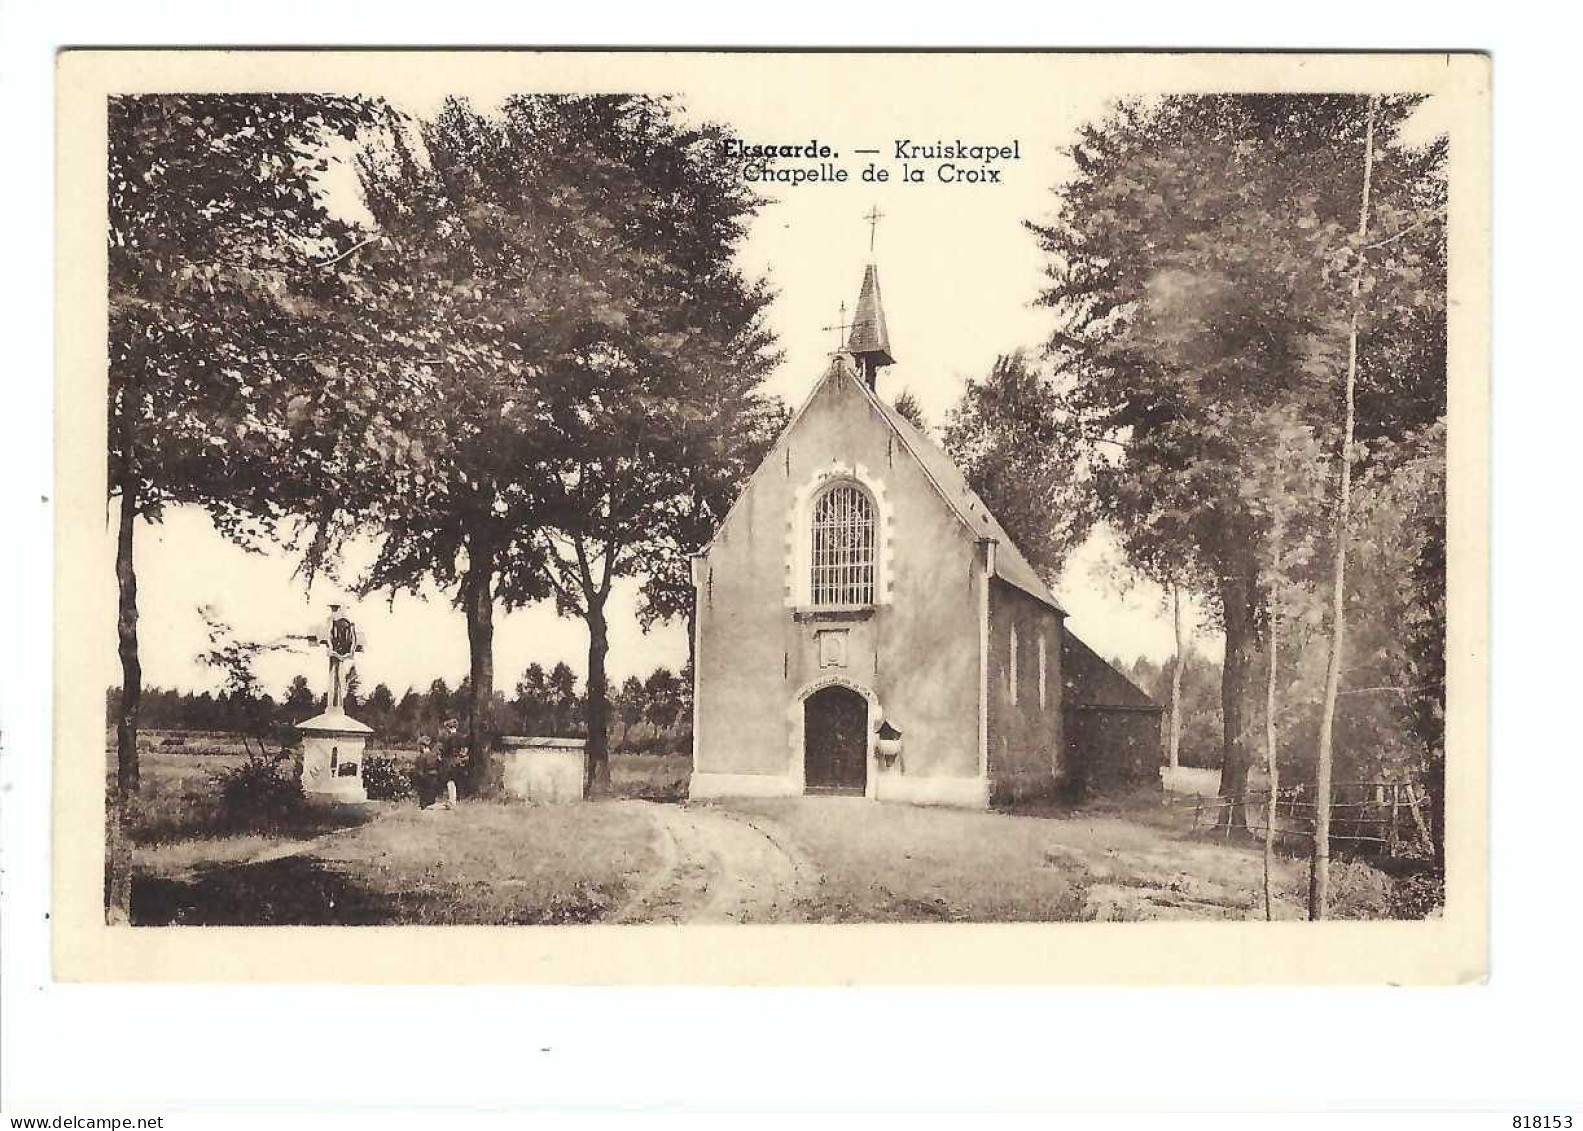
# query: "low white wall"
{"type": "Point", "coordinates": [544, 769]}
{"type": "Point", "coordinates": [1190, 781]}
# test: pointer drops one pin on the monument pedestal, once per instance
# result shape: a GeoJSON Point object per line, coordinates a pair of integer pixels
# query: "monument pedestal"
{"type": "Point", "coordinates": [332, 757]}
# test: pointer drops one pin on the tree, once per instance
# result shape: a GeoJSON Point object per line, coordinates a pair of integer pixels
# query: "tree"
{"type": "Point", "coordinates": [630, 705]}
{"type": "Point", "coordinates": [351, 699]}
{"type": "Point", "coordinates": [218, 241]}
{"type": "Point", "coordinates": [725, 438]}
{"type": "Point", "coordinates": [558, 278]}
{"type": "Point", "coordinates": [1005, 435]}
{"type": "Point", "coordinates": [380, 708]}
{"type": "Point", "coordinates": [215, 235]}
{"type": "Point", "coordinates": [662, 693]}
{"type": "Point", "coordinates": [562, 685]}
{"type": "Point", "coordinates": [437, 705]}
{"type": "Point", "coordinates": [1398, 593]}
{"type": "Point", "coordinates": [1199, 262]}
{"type": "Point", "coordinates": [908, 408]}
{"type": "Point", "coordinates": [533, 700]}
{"type": "Point", "coordinates": [1174, 750]}
{"type": "Point", "coordinates": [1319, 887]}
{"type": "Point", "coordinates": [300, 699]}
{"type": "Point", "coordinates": [1284, 490]}
{"type": "Point", "coordinates": [480, 279]}
{"type": "Point", "coordinates": [409, 714]}
{"type": "Point", "coordinates": [247, 710]}
{"type": "Point", "coordinates": [684, 335]}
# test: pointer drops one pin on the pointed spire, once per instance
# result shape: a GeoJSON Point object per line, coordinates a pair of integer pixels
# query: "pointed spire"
{"type": "Point", "coordinates": [869, 342]}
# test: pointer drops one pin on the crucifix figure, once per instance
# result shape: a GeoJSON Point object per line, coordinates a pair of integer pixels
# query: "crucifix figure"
{"type": "Point", "coordinates": [873, 216]}
{"type": "Point", "coordinates": [343, 641]}
{"type": "Point", "coordinates": [841, 327]}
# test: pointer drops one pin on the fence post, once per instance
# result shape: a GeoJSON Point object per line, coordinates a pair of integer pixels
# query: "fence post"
{"type": "Point", "coordinates": [1390, 850]}
{"type": "Point", "coordinates": [1418, 818]}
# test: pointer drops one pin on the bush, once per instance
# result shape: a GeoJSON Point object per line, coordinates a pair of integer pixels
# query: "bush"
{"type": "Point", "coordinates": [1418, 895]}
{"type": "Point", "coordinates": [388, 778]}
{"type": "Point", "coordinates": [258, 793]}
{"type": "Point", "coordinates": [1358, 890]}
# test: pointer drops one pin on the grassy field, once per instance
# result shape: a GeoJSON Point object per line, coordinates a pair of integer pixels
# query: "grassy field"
{"type": "Point", "coordinates": [387, 862]}
{"type": "Point", "coordinates": [481, 863]}
{"type": "Point", "coordinates": [650, 777]}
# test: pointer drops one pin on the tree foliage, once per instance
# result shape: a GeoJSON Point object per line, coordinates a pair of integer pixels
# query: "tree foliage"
{"type": "Point", "coordinates": [656, 415]}
{"type": "Point", "coordinates": [908, 408]}
{"type": "Point", "coordinates": [220, 254]}
{"type": "Point", "coordinates": [1006, 434]}
{"type": "Point", "coordinates": [1201, 262]}
{"type": "Point", "coordinates": [567, 359]}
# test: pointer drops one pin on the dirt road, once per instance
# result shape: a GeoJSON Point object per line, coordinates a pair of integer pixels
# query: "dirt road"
{"type": "Point", "coordinates": [720, 867]}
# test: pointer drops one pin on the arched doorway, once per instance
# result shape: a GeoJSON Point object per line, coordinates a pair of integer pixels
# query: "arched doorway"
{"type": "Point", "coordinates": [835, 741]}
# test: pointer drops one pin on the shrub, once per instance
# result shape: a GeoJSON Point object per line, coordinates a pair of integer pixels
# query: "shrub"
{"type": "Point", "coordinates": [388, 778]}
{"type": "Point", "coordinates": [1418, 895]}
{"type": "Point", "coordinates": [258, 793]}
{"type": "Point", "coordinates": [1358, 890]}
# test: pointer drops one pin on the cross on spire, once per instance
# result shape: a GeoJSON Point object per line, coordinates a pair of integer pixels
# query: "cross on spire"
{"type": "Point", "coordinates": [873, 216]}
{"type": "Point", "coordinates": [840, 327]}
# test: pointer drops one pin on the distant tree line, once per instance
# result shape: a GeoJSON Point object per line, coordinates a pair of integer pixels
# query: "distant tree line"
{"type": "Point", "coordinates": [650, 714]}
{"type": "Point", "coordinates": [1377, 738]}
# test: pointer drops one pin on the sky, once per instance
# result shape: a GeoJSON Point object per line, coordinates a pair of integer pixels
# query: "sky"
{"type": "Point", "coordinates": [959, 274]}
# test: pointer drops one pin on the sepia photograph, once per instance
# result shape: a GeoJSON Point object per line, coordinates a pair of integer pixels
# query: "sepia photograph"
{"type": "Point", "coordinates": [524, 501]}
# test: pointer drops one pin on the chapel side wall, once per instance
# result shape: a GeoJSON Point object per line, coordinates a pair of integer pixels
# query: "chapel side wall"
{"type": "Point", "coordinates": [1026, 746]}
{"type": "Point", "coordinates": [917, 653]}
{"type": "Point", "coordinates": [740, 725]}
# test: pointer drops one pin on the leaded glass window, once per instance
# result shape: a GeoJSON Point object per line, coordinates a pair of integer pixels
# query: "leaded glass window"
{"type": "Point", "coordinates": [843, 547]}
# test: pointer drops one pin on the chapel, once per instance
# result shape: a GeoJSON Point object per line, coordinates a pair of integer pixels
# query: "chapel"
{"type": "Point", "coordinates": [866, 626]}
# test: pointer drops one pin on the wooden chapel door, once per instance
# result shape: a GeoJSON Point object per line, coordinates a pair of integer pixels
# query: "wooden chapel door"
{"type": "Point", "coordinates": [835, 739]}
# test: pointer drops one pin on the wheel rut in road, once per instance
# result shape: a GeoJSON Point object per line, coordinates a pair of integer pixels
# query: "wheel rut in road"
{"type": "Point", "coordinates": [720, 867]}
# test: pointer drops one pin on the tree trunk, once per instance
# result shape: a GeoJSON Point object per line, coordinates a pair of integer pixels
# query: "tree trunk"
{"type": "Point", "coordinates": [478, 600]}
{"type": "Point", "coordinates": [1237, 596]}
{"type": "Point", "coordinates": [1435, 790]}
{"type": "Point", "coordinates": [1319, 877]}
{"type": "Point", "coordinates": [118, 895]}
{"type": "Point", "coordinates": [597, 774]}
{"type": "Point", "coordinates": [126, 640]}
{"type": "Point", "coordinates": [1176, 679]}
{"type": "Point", "coordinates": [1271, 761]}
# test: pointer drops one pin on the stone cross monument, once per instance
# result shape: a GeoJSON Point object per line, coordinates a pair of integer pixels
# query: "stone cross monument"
{"type": "Point", "coordinates": [332, 743]}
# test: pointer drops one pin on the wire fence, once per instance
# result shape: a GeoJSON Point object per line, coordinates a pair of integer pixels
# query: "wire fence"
{"type": "Point", "coordinates": [1380, 817]}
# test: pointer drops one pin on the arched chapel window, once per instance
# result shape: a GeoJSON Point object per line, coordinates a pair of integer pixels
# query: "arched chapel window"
{"type": "Point", "coordinates": [1012, 666]}
{"type": "Point", "coordinates": [843, 547]}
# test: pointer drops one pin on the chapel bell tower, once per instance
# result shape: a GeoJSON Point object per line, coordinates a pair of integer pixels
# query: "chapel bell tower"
{"type": "Point", "coordinates": [869, 342]}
